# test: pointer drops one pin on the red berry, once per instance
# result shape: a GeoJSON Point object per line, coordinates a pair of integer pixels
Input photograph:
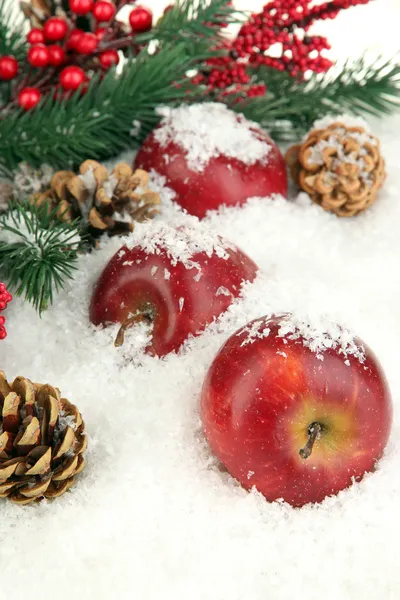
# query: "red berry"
{"type": "Point", "coordinates": [71, 78]}
{"type": "Point", "coordinates": [55, 29]}
{"type": "Point", "coordinates": [2, 320]}
{"type": "Point", "coordinates": [81, 7]}
{"type": "Point", "coordinates": [100, 33]}
{"type": "Point", "coordinates": [74, 37]}
{"type": "Point", "coordinates": [56, 55]}
{"type": "Point", "coordinates": [109, 58]}
{"type": "Point", "coordinates": [87, 43]}
{"type": "Point", "coordinates": [29, 97]}
{"type": "Point", "coordinates": [140, 19]}
{"type": "Point", "coordinates": [8, 68]}
{"type": "Point", "coordinates": [35, 36]}
{"type": "Point", "coordinates": [3, 333]}
{"type": "Point", "coordinates": [38, 56]}
{"type": "Point", "coordinates": [103, 11]}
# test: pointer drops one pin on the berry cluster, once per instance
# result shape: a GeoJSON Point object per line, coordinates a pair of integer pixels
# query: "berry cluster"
{"type": "Point", "coordinates": [5, 298]}
{"type": "Point", "coordinates": [283, 24]}
{"type": "Point", "coordinates": [64, 56]}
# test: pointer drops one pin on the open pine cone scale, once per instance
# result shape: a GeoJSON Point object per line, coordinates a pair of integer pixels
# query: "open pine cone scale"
{"type": "Point", "coordinates": [42, 441]}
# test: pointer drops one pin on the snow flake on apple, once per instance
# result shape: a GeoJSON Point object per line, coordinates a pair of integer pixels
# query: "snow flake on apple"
{"type": "Point", "coordinates": [317, 333]}
{"type": "Point", "coordinates": [233, 136]}
{"type": "Point", "coordinates": [181, 240]}
{"type": "Point", "coordinates": [252, 331]}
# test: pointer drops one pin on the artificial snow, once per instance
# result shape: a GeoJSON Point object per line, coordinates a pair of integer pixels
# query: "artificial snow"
{"type": "Point", "coordinates": [233, 135]}
{"type": "Point", "coordinates": [180, 239]}
{"type": "Point", "coordinates": [154, 516]}
{"type": "Point", "coordinates": [345, 119]}
{"type": "Point", "coordinates": [316, 332]}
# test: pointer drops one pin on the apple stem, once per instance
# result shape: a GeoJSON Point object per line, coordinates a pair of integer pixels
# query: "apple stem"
{"type": "Point", "coordinates": [130, 322]}
{"type": "Point", "coordinates": [314, 432]}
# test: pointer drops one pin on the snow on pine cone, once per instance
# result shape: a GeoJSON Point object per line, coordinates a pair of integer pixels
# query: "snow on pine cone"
{"type": "Point", "coordinates": [42, 441]}
{"type": "Point", "coordinates": [340, 167]}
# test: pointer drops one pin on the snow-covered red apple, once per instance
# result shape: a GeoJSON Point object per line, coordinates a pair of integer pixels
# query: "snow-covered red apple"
{"type": "Point", "coordinates": [212, 156]}
{"type": "Point", "coordinates": [176, 278]}
{"type": "Point", "coordinates": [298, 410]}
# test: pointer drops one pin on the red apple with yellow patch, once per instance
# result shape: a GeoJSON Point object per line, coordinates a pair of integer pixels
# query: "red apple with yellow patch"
{"type": "Point", "coordinates": [297, 411]}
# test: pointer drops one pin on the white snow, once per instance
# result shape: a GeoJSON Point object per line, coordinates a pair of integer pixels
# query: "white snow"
{"type": "Point", "coordinates": [345, 119]}
{"type": "Point", "coordinates": [153, 515]}
{"type": "Point", "coordinates": [316, 332]}
{"type": "Point", "coordinates": [181, 239]}
{"type": "Point", "coordinates": [234, 136]}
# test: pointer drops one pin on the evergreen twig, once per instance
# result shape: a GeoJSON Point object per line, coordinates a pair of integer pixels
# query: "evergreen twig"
{"type": "Point", "coordinates": [38, 252]}
{"type": "Point", "coordinates": [290, 107]}
{"type": "Point", "coordinates": [100, 123]}
{"type": "Point", "coordinates": [193, 20]}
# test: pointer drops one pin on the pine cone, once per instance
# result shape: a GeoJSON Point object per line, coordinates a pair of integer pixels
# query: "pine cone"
{"type": "Point", "coordinates": [340, 167]}
{"type": "Point", "coordinates": [37, 11]}
{"type": "Point", "coordinates": [96, 196]}
{"type": "Point", "coordinates": [42, 441]}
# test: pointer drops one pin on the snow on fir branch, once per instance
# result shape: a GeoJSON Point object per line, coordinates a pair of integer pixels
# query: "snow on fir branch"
{"type": "Point", "coordinates": [38, 252]}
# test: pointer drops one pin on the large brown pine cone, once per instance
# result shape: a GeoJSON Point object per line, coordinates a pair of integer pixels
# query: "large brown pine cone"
{"type": "Point", "coordinates": [340, 167]}
{"type": "Point", "coordinates": [101, 199]}
{"type": "Point", "coordinates": [42, 441]}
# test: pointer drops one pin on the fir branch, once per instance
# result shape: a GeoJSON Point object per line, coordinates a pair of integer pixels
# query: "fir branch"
{"type": "Point", "coordinates": [290, 107]}
{"type": "Point", "coordinates": [192, 21]}
{"type": "Point", "coordinates": [98, 124]}
{"type": "Point", "coordinates": [38, 252]}
{"type": "Point", "coordinates": [12, 34]}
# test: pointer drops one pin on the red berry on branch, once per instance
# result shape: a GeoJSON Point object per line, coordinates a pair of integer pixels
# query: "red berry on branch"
{"type": "Point", "coordinates": [103, 11]}
{"type": "Point", "coordinates": [55, 29]}
{"type": "Point", "coordinates": [29, 97]}
{"type": "Point", "coordinates": [35, 36]}
{"type": "Point", "coordinates": [141, 19]}
{"type": "Point", "coordinates": [38, 56]}
{"type": "Point", "coordinates": [8, 68]}
{"type": "Point", "coordinates": [100, 33]}
{"type": "Point", "coordinates": [71, 78]}
{"type": "Point", "coordinates": [87, 43]}
{"type": "Point", "coordinates": [56, 55]}
{"type": "Point", "coordinates": [80, 7]}
{"type": "Point", "coordinates": [73, 39]}
{"type": "Point", "coordinates": [109, 58]}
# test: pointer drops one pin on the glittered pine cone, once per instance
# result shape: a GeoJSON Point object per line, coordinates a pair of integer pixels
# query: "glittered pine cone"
{"type": "Point", "coordinates": [42, 441]}
{"type": "Point", "coordinates": [340, 167]}
{"type": "Point", "coordinates": [105, 202]}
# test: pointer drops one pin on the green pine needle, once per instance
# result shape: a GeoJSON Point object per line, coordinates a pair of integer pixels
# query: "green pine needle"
{"type": "Point", "coordinates": [99, 124]}
{"type": "Point", "coordinates": [192, 21]}
{"type": "Point", "coordinates": [290, 108]}
{"type": "Point", "coordinates": [38, 252]}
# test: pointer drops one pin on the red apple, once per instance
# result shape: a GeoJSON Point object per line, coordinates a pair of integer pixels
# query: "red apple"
{"type": "Point", "coordinates": [298, 415]}
{"type": "Point", "coordinates": [168, 279]}
{"type": "Point", "coordinates": [211, 156]}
